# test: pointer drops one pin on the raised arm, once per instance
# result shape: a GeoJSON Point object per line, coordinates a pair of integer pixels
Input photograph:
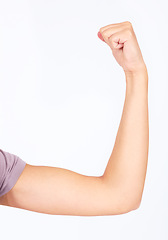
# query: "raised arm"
{"type": "Point", "coordinates": [60, 191]}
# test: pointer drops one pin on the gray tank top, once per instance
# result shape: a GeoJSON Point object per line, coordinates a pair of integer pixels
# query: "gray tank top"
{"type": "Point", "coordinates": [11, 167]}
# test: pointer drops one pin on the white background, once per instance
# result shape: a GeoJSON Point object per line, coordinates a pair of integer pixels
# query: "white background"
{"type": "Point", "coordinates": [61, 100]}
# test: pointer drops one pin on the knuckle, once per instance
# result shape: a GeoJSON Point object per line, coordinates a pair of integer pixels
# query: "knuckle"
{"type": "Point", "coordinates": [129, 32]}
{"type": "Point", "coordinates": [105, 35]}
{"type": "Point", "coordinates": [112, 37]}
{"type": "Point", "coordinates": [129, 25]}
{"type": "Point", "coordinates": [101, 30]}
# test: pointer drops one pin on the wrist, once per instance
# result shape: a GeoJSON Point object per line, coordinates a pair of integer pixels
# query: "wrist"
{"type": "Point", "coordinates": [137, 81]}
{"type": "Point", "coordinates": [140, 73]}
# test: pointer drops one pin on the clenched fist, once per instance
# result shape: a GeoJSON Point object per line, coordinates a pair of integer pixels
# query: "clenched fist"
{"type": "Point", "coordinates": [122, 40]}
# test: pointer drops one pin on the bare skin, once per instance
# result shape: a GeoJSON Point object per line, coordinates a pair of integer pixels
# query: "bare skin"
{"type": "Point", "coordinates": [58, 191]}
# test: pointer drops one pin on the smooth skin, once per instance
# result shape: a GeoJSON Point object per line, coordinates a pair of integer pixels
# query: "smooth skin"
{"type": "Point", "coordinates": [119, 190]}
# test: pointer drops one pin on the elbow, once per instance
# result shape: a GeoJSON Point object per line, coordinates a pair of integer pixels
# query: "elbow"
{"type": "Point", "coordinates": [123, 208]}
{"type": "Point", "coordinates": [131, 206]}
{"type": "Point", "coordinates": [121, 199]}
{"type": "Point", "coordinates": [129, 203]}
{"type": "Point", "coordinates": [135, 206]}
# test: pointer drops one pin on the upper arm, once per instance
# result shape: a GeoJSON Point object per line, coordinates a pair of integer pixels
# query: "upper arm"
{"type": "Point", "coordinates": [60, 191]}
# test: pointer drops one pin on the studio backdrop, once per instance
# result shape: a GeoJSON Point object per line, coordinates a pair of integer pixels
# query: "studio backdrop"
{"type": "Point", "coordinates": [61, 99]}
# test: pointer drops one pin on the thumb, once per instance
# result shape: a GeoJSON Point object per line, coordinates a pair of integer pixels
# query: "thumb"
{"type": "Point", "coordinates": [115, 44]}
{"type": "Point", "coordinates": [100, 36]}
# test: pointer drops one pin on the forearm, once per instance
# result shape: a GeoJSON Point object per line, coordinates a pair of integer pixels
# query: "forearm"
{"type": "Point", "coordinates": [54, 190]}
{"type": "Point", "coordinates": [126, 168]}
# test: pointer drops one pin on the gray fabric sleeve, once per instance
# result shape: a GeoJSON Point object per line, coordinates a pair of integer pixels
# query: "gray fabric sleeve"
{"type": "Point", "coordinates": [11, 167]}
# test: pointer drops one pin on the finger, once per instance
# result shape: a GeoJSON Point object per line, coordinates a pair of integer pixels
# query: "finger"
{"type": "Point", "coordinates": [100, 36]}
{"type": "Point", "coordinates": [113, 25]}
{"type": "Point", "coordinates": [108, 32]}
{"type": "Point", "coordinates": [119, 45]}
{"type": "Point", "coordinates": [118, 39]}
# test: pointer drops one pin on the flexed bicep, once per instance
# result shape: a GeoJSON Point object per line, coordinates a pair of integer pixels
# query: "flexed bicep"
{"type": "Point", "coordinates": [59, 191]}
